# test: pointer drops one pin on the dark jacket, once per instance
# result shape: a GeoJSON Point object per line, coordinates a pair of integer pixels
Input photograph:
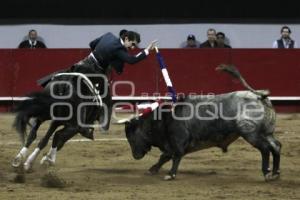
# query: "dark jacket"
{"type": "Point", "coordinates": [26, 44]}
{"type": "Point", "coordinates": [280, 44]}
{"type": "Point", "coordinates": [206, 44]}
{"type": "Point", "coordinates": [109, 50]}
{"type": "Point", "coordinates": [225, 46]}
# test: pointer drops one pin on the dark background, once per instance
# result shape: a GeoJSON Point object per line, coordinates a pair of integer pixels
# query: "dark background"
{"type": "Point", "coordinates": [119, 12]}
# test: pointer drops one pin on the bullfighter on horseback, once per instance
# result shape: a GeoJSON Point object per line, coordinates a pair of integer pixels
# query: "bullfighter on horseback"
{"type": "Point", "coordinates": [108, 51]}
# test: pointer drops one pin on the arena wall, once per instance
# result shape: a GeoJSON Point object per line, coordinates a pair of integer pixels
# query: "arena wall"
{"type": "Point", "coordinates": [191, 70]}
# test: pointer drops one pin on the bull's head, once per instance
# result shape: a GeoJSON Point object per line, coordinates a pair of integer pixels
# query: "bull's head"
{"type": "Point", "coordinates": [138, 130]}
{"type": "Point", "coordinates": [137, 133]}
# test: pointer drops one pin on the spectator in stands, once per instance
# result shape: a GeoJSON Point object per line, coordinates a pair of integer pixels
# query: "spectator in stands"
{"type": "Point", "coordinates": [32, 42]}
{"type": "Point", "coordinates": [221, 40]}
{"type": "Point", "coordinates": [285, 42]}
{"type": "Point", "coordinates": [190, 42]}
{"type": "Point", "coordinates": [211, 39]}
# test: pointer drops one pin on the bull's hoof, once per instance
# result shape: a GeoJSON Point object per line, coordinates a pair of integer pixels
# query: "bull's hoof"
{"type": "Point", "coordinates": [152, 171]}
{"type": "Point", "coordinates": [272, 177]}
{"type": "Point", "coordinates": [169, 177]}
{"type": "Point", "coordinates": [17, 162]}
{"type": "Point", "coordinates": [276, 177]}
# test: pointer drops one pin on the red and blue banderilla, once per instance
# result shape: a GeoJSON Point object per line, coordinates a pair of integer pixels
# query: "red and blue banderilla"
{"type": "Point", "coordinates": [166, 76]}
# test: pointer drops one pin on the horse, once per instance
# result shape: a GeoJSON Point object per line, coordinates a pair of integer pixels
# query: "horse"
{"type": "Point", "coordinates": [67, 93]}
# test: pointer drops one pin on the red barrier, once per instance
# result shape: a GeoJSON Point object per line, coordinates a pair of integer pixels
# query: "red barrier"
{"type": "Point", "coordinates": [191, 70]}
{"type": "Point", "coordinates": [7, 66]}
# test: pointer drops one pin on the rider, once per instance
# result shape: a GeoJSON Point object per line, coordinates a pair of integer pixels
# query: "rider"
{"type": "Point", "coordinates": [108, 51]}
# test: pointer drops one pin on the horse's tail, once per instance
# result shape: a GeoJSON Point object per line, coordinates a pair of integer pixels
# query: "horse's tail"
{"type": "Point", "coordinates": [36, 106]}
{"type": "Point", "coordinates": [232, 70]}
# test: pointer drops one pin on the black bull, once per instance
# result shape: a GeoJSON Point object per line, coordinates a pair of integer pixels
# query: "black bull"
{"type": "Point", "coordinates": [200, 122]}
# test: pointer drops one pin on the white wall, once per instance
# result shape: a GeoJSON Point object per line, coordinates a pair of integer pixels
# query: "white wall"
{"type": "Point", "coordinates": [169, 35]}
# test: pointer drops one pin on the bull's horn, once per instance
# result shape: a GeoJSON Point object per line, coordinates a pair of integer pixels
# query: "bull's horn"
{"type": "Point", "coordinates": [123, 121]}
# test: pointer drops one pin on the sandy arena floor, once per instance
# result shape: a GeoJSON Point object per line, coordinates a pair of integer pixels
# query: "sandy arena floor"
{"type": "Point", "coordinates": [105, 169]}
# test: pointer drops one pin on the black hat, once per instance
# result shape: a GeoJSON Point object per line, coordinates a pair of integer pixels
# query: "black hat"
{"type": "Point", "coordinates": [221, 34]}
{"type": "Point", "coordinates": [191, 37]}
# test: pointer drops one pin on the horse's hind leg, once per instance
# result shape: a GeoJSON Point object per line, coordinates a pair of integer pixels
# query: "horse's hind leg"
{"type": "Point", "coordinates": [59, 139]}
{"type": "Point", "coordinates": [31, 137]}
{"type": "Point", "coordinates": [43, 142]}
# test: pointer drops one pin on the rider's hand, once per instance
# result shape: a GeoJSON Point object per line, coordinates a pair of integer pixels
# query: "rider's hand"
{"type": "Point", "coordinates": [151, 45]}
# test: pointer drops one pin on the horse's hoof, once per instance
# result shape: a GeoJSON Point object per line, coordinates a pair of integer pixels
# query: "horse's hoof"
{"type": "Point", "coordinates": [47, 161]}
{"type": "Point", "coordinates": [28, 167]}
{"type": "Point", "coordinates": [169, 177]}
{"type": "Point", "coordinates": [17, 161]}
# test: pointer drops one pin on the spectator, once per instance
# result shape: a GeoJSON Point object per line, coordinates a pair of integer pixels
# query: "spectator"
{"type": "Point", "coordinates": [190, 42]}
{"type": "Point", "coordinates": [221, 40]}
{"type": "Point", "coordinates": [285, 42]}
{"type": "Point", "coordinates": [32, 41]}
{"type": "Point", "coordinates": [211, 39]}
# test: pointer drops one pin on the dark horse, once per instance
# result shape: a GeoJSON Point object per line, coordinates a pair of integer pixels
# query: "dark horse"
{"type": "Point", "coordinates": [71, 100]}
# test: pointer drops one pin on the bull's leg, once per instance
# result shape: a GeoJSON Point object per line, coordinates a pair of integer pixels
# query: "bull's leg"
{"type": "Point", "coordinates": [275, 147]}
{"type": "Point", "coordinates": [178, 144]}
{"type": "Point", "coordinates": [59, 140]}
{"type": "Point", "coordinates": [262, 145]}
{"type": "Point", "coordinates": [165, 157]}
{"type": "Point", "coordinates": [172, 173]}
{"type": "Point", "coordinates": [43, 142]}
{"type": "Point", "coordinates": [31, 137]}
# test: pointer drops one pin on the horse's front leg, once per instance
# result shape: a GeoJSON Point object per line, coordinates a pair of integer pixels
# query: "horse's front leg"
{"type": "Point", "coordinates": [59, 139]}
{"type": "Point", "coordinates": [43, 142]}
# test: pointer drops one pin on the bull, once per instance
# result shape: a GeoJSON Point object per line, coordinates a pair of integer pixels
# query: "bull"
{"type": "Point", "coordinates": [200, 122]}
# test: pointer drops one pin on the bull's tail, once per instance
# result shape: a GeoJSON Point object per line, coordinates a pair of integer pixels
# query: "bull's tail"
{"type": "Point", "coordinates": [232, 70]}
{"type": "Point", "coordinates": [36, 106]}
